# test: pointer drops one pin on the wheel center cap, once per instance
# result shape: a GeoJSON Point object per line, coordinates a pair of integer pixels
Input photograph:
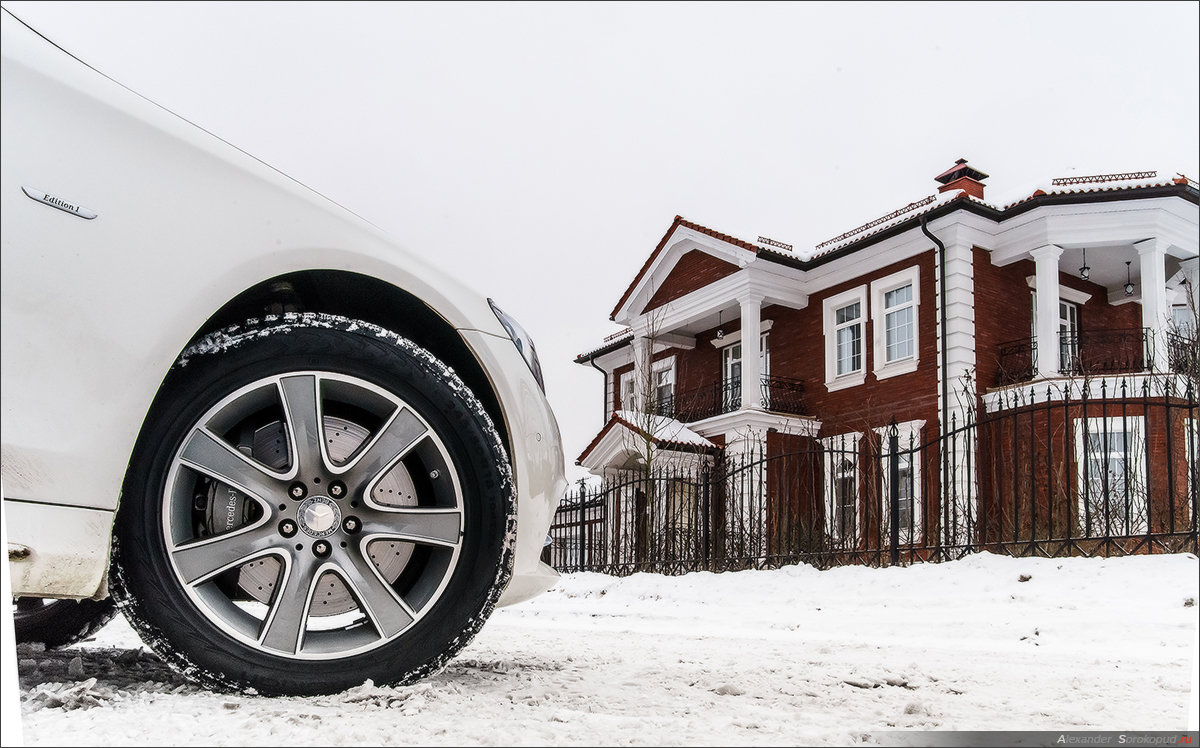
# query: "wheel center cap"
{"type": "Point", "coordinates": [319, 516]}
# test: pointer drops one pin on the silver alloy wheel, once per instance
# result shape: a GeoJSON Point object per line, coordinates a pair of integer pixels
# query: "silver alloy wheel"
{"type": "Point", "coordinates": [328, 540]}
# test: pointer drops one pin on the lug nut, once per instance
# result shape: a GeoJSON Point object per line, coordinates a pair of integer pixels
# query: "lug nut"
{"type": "Point", "coordinates": [297, 490]}
{"type": "Point", "coordinates": [433, 474]}
{"type": "Point", "coordinates": [287, 528]}
{"type": "Point", "coordinates": [337, 489]}
{"type": "Point", "coordinates": [351, 525]}
{"type": "Point", "coordinates": [321, 549]}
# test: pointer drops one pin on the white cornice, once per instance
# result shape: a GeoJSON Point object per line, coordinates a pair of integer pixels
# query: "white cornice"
{"type": "Point", "coordinates": [754, 419]}
{"type": "Point", "coordinates": [1112, 224]}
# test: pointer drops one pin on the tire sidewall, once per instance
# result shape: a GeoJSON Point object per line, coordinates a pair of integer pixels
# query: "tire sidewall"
{"type": "Point", "coordinates": [162, 611]}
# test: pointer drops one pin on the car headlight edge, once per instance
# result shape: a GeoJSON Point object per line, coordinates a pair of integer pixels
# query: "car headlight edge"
{"type": "Point", "coordinates": [522, 341]}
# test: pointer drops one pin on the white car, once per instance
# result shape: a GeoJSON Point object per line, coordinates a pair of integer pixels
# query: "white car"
{"type": "Point", "coordinates": [297, 455]}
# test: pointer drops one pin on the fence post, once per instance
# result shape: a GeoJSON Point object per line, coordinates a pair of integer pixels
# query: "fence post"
{"type": "Point", "coordinates": [894, 492]}
{"type": "Point", "coordinates": [706, 514]}
{"type": "Point", "coordinates": [582, 536]}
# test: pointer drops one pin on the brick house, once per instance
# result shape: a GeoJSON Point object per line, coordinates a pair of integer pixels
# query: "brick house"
{"type": "Point", "coordinates": [1085, 288]}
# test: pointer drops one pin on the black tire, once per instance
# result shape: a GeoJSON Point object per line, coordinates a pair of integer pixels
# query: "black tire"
{"type": "Point", "coordinates": [448, 511]}
{"type": "Point", "coordinates": [59, 623]}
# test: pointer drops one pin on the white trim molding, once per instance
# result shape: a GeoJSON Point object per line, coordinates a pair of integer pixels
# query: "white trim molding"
{"type": "Point", "coordinates": [734, 337]}
{"type": "Point", "coordinates": [1065, 293]}
{"type": "Point", "coordinates": [879, 288]}
{"type": "Point", "coordinates": [830, 306]}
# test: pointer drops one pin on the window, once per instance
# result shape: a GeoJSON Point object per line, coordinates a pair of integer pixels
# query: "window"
{"type": "Point", "coordinates": [1110, 457]}
{"type": "Point", "coordinates": [849, 329]}
{"type": "Point", "coordinates": [663, 382]}
{"type": "Point", "coordinates": [731, 370]}
{"type": "Point", "coordinates": [894, 302]}
{"type": "Point", "coordinates": [898, 324]}
{"type": "Point", "coordinates": [908, 489]}
{"type": "Point", "coordinates": [628, 392]}
{"type": "Point", "coordinates": [841, 488]}
{"type": "Point", "coordinates": [845, 327]}
{"type": "Point", "coordinates": [731, 359]}
{"type": "Point", "coordinates": [731, 364]}
{"type": "Point", "coordinates": [1182, 320]}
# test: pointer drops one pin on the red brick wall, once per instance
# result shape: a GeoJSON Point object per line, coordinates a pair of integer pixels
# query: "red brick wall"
{"type": "Point", "coordinates": [798, 352]}
{"type": "Point", "coordinates": [1003, 312]}
{"type": "Point", "coordinates": [1029, 474]}
{"type": "Point", "coordinates": [694, 270]}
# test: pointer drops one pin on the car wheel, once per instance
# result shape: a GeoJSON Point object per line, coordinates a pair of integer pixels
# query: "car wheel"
{"type": "Point", "coordinates": [59, 623]}
{"type": "Point", "coordinates": [313, 502]}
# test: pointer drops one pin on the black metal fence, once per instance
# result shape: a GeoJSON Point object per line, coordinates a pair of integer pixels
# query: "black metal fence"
{"type": "Point", "coordinates": [1093, 468]}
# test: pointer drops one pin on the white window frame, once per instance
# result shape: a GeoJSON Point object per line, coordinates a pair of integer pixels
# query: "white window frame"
{"type": "Point", "coordinates": [1089, 485]}
{"type": "Point", "coordinates": [835, 448]}
{"type": "Point", "coordinates": [879, 290]}
{"type": "Point", "coordinates": [667, 365]}
{"type": "Point", "coordinates": [909, 437]}
{"type": "Point", "coordinates": [833, 382]}
{"type": "Point", "coordinates": [627, 389]}
{"type": "Point", "coordinates": [764, 358]}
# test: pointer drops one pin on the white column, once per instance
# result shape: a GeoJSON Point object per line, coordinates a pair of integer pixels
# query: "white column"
{"type": "Point", "coordinates": [1155, 312]}
{"type": "Point", "coordinates": [1046, 281]}
{"type": "Point", "coordinates": [752, 351]}
{"type": "Point", "coordinates": [641, 373]}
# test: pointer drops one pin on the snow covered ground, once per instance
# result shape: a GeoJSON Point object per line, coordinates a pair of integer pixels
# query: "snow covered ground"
{"type": "Point", "coordinates": [792, 656]}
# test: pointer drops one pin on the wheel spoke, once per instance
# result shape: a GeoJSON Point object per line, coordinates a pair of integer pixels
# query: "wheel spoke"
{"type": "Point", "coordinates": [207, 454]}
{"type": "Point", "coordinates": [304, 422]}
{"type": "Point", "coordinates": [201, 559]}
{"type": "Point", "coordinates": [436, 526]}
{"type": "Point", "coordinates": [393, 440]}
{"type": "Point", "coordinates": [388, 613]}
{"type": "Point", "coordinates": [288, 616]}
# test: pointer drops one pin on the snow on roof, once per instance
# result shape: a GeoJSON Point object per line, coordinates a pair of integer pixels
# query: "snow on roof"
{"type": "Point", "coordinates": [663, 429]}
{"type": "Point", "coordinates": [1084, 183]}
{"type": "Point", "coordinates": [883, 223]}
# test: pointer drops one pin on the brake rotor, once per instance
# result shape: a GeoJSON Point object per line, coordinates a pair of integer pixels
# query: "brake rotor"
{"type": "Point", "coordinates": [342, 439]}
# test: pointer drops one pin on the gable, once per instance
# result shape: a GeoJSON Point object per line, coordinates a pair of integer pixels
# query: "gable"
{"type": "Point", "coordinates": [695, 270]}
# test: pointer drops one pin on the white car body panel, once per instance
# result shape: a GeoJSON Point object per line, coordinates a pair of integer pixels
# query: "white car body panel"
{"type": "Point", "coordinates": [96, 311]}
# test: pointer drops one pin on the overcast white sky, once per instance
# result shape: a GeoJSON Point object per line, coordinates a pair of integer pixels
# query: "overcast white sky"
{"type": "Point", "coordinates": [541, 150]}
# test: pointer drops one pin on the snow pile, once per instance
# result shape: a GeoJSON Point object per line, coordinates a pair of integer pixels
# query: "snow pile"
{"type": "Point", "coordinates": [83, 695]}
{"type": "Point", "coordinates": [789, 656]}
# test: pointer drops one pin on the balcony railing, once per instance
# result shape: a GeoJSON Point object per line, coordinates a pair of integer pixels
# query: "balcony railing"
{"type": "Point", "coordinates": [779, 394]}
{"type": "Point", "coordinates": [708, 401]}
{"type": "Point", "coordinates": [1018, 361]}
{"type": "Point", "coordinates": [1103, 352]}
{"type": "Point", "coordinates": [1084, 352]}
{"type": "Point", "coordinates": [1183, 355]}
{"type": "Point", "coordinates": [783, 395]}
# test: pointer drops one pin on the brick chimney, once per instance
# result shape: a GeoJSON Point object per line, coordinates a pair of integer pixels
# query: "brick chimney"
{"type": "Point", "coordinates": [962, 177]}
